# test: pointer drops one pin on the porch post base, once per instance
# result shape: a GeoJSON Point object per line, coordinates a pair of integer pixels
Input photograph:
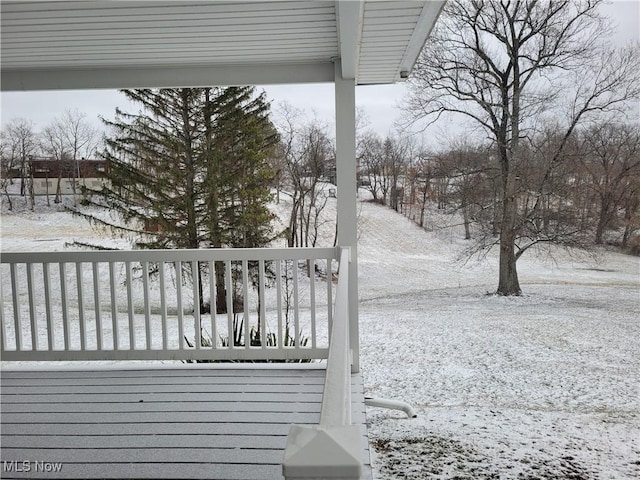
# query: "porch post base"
{"type": "Point", "coordinates": [323, 453]}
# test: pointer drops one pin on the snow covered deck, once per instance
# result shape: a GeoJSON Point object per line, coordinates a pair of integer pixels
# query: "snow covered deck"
{"type": "Point", "coordinates": [183, 421]}
{"type": "Point", "coordinates": [172, 420]}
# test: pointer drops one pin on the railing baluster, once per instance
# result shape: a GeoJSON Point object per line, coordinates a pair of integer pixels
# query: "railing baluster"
{"type": "Point", "coordinates": [81, 319]}
{"type": "Point", "coordinates": [47, 302]}
{"type": "Point", "coordinates": [114, 307]}
{"type": "Point", "coordinates": [147, 306]}
{"type": "Point", "coordinates": [212, 302]}
{"type": "Point", "coordinates": [245, 302]}
{"type": "Point", "coordinates": [163, 307]}
{"type": "Point", "coordinates": [65, 306]}
{"type": "Point", "coordinates": [229, 303]}
{"type": "Point", "coordinates": [262, 321]}
{"type": "Point", "coordinates": [296, 306]}
{"type": "Point", "coordinates": [129, 280]}
{"type": "Point", "coordinates": [3, 335]}
{"type": "Point", "coordinates": [181, 344]}
{"type": "Point", "coordinates": [195, 273]}
{"type": "Point", "coordinates": [32, 307]}
{"type": "Point", "coordinates": [312, 294]}
{"type": "Point", "coordinates": [281, 341]}
{"type": "Point", "coordinates": [96, 300]}
{"type": "Point", "coordinates": [17, 321]}
{"type": "Point", "coordinates": [329, 296]}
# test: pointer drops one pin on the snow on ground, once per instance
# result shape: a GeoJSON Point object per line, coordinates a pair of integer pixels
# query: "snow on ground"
{"type": "Point", "coordinates": [49, 228]}
{"type": "Point", "coordinates": [543, 386]}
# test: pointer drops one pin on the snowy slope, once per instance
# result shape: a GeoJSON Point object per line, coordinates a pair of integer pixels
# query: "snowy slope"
{"type": "Point", "coordinates": [541, 386]}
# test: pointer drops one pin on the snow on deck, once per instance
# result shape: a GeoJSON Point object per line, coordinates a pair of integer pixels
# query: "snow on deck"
{"type": "Point", "coordinates": [171, 422]}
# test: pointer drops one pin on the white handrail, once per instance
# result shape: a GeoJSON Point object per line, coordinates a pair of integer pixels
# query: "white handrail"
{"type": "Point", "coordinates": [336, 401]}
{"type": "Point", "coordinates": [173, 255]}
{"type": "Point", "coordinates": [104, 306]}
{"type": "Point", "coordinates": [331, 449]}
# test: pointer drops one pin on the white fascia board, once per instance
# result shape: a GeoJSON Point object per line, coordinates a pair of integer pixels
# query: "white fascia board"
{"type": "Point", "coordinates": [349, 18]}
{"type": "Point", "coordinates": [430, 13]}
{"type": "Point", "coordinates": [165, 77]}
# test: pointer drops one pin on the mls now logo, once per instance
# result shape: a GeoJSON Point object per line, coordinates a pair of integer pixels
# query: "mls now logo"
{"type": "Point", "coordinates": [29, 466]}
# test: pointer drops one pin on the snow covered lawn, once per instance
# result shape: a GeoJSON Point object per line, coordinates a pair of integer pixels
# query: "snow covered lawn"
{"type": "Point", "coordinates": [544, 386]}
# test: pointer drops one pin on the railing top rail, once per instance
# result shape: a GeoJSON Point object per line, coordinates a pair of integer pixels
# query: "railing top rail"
{"type": "Point", "coordinates": [336, 401]}
{"type": "Point", "coordinates": [184, 255]}
{"type": "Point", "coordinates": [306, 453]}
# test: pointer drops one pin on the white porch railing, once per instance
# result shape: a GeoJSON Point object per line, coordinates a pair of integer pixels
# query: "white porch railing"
{"type": "Point", "coordinates": [143, 304]}
{"type": "Point", "coordinates": [331, 449]}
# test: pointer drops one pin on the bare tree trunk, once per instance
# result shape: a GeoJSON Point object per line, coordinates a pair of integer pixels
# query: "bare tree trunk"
{"type": "Point", "coordinates": [58, 197]}
{"type": "Point", "coordinates": [9, 200]}
{"type": "Point", "coordinates": [46, 180]}
{"type": "Point", "coordinates": [466, 221]}
{"type": "Point", "coordinates": [508, 283]}
{"type": "Point", "coordinates": [603, 219]}
{"type": "Point", "coordinates": [32, 198]}
{"type": "Point", "coordinates": [631, 207]}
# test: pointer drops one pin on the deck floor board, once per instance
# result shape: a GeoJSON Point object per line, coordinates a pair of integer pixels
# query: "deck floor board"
{"type": "Point", "coordinates": [217, 423]}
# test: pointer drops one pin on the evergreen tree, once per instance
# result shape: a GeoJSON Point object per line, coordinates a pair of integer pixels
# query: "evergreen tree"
{"type": "Point", "coordinates": [190, 170]}
{"type": "Point", "coordinates": [239, 139]}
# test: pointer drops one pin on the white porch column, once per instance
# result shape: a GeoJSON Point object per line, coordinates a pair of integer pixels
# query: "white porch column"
{"type": "Point", "coordinates": [345, 95]}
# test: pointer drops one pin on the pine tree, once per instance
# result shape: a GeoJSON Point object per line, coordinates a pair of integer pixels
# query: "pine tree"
{"type": "Point", "coordinates": [239, 138]}
{"type": "Point", "coordinates": [190, 170]}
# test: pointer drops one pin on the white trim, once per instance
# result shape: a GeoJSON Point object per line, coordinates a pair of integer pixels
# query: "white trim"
{"type": "Point", "coordinates": [336, 399]}
{"type": "Point", "coordinates": [217, 354]}
{"type": "Point", "coordinates": [165, 77]}
{"type": "Point", "coordinates": [177, 255]}
{"type": "Point", "coordinates": [430, 13]}
{"type": "Point", "coordinates": [130, 44]}
{"type": "Point", "coordinates": [349, 17]}
{"type": "Point", "coordinates": [143, 366]}
{"type": "Point", "coordinates": [346, 165]}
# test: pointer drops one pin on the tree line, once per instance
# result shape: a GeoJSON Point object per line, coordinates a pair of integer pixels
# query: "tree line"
{"type": "Point", "coordinates": [66, 140]}
{"type": "Point", "coordinates": [592, 198]}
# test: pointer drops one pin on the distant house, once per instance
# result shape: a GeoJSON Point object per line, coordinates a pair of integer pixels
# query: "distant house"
{"type": "Point", "coordinates": [46, 171]}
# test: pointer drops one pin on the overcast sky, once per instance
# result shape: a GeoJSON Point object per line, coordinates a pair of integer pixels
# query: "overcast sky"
{"type": "Point", "coordinates": [380, 103]}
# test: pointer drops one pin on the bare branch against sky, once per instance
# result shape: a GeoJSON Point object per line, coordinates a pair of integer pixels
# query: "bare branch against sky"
{"type": "Point", "coordinates": [380, 103]}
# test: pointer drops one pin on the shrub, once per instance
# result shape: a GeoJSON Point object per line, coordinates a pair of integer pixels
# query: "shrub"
{"type": "Point", "coordinates": [255, 338]}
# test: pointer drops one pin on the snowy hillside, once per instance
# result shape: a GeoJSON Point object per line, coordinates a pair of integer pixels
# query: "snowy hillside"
{"type": "Point", "coordinates": [544, 386]}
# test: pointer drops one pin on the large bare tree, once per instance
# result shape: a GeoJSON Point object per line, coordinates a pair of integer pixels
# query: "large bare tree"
{"type": "Point", "coordinates": [509, 66]}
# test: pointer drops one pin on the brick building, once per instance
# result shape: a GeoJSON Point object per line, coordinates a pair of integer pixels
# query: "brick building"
{"type": "Point", "coordinates": [90, 173]}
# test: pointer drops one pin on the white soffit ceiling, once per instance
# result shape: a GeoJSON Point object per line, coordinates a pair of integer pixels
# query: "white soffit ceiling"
{"type": "Point", "coordinates": [119, 44]}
